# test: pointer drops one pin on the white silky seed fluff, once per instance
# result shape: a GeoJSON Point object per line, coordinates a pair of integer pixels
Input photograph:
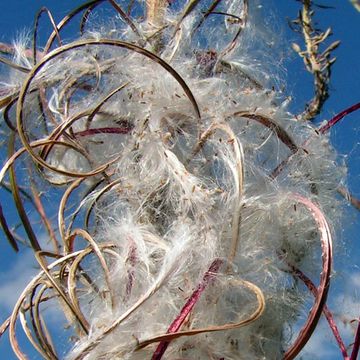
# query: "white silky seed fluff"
{"type": "Point", "coordinates": [172, 213]}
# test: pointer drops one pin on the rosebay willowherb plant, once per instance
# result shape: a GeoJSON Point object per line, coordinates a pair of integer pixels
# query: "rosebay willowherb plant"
{"type": "Point", "coordinates": [189, 203]}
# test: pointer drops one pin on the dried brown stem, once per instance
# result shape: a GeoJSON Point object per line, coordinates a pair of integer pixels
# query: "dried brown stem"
{"type": "Point", "coordinates": [317, 62]}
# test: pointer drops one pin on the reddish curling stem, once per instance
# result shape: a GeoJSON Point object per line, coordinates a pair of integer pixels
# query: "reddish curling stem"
{"type": "Point", "coordinates": [322, 291]}
{"type": "Point", "coordinates": [321, 130]}
{"type": "Point", "coordinates": [355, 350]}
{"type": "Point", "coordinates": [338, 117]}
{"type": "Point", "coordinates": [105, 130]}
{"type": "Point", "coordinates": [185, 311]}
{"type": "Point", "coordinates": [329, 317]}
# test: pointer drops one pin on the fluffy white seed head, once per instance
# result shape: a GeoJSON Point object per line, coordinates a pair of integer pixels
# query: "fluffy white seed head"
{"type": "Point", "coordinates": [189, 189]}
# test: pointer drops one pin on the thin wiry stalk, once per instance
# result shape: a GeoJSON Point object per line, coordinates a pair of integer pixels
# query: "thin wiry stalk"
{"type": "Point", "coordinates": [7, 231]}
{"type": "Point", "coordinates": [4, 326]}
{"type": "Point", "coordinates": [320, 299]}
{"type": "Point", "coordinates": [29, 287]}
{"type": "Point", "coordinates": [85, 16]}
{"type": "Point", "coordinates": [13, 65]}
{"type": "Point", "coordinates": [7, 100]}
{"type": "Point", "coordinates": [269, 123]}
{"type": "Point", "coordinates": [36, 25]}
{"type": "Point", "coordinates": [97, 198]}
{"type": "Point", "coordinates": [40, 209]}
{"type": "Point", "coordinates": [238, 177]}
{"type": "Point", "coordinates": [74, 215]}
{"type": "Point", "coordinates": [356, 346]}
{"type": "Point", "coordinates": [149, 293]}
{"type": "Point", "coordinates": [102, 102]}
{"type": "Point", "coordinates": [106, 130]}
{"type": "Point", "coordinates": [209, 11]}
{"type": "Point", "coordinates": [338, 117]}
{"type": "Point", "coordinates": [22, 189]}
{"type": "Point", "coordinates": [43, 335]}
{"type": "Point", "coordinates": [352, 200]}
{"type": "Point", "coordinates": [124, 16]}
{"type": "Point", "coordinates": [75, 266]}
{"type": "Point", "coordinates": [67, 19]}
{"type": "Point", "coordinates": [34, 342]}
{"type": "Point", "coordinates": [329, 317]}
{"type": "Point", "coordinates": [18, 201]}
{"type": "Point", "coordinates": [189, 7]}
{"type": "Point", "coordinates": [241, 20]}
{"type": "Point", "coordinates": [73, 83]}
{"type": "Point", "coordinates": [97, 251]}
{"type": "Point", "coordinates": [253, 317]}
{"type": "Point", "coordinates": [59, 290]}
{"type": "Point", "coordinates": [61, 214]}
{"type": "Point", "coordinates": [356, 4]}
{"type": "Point", "coordinates": [185, 311]}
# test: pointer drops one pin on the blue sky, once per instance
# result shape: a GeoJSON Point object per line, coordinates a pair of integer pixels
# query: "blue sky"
{"type": "Point", "coordinates": [16, 15]}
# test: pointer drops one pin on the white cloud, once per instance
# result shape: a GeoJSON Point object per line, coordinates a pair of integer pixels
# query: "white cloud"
{"type": "Point", "coordinates": [322, 344]}
{"type": "Point", "coordinates": [13, 280]}
{"type": "Point", "coordinates": [355, 281]}
{"type": "Point", "coordinates": [344, 304]}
